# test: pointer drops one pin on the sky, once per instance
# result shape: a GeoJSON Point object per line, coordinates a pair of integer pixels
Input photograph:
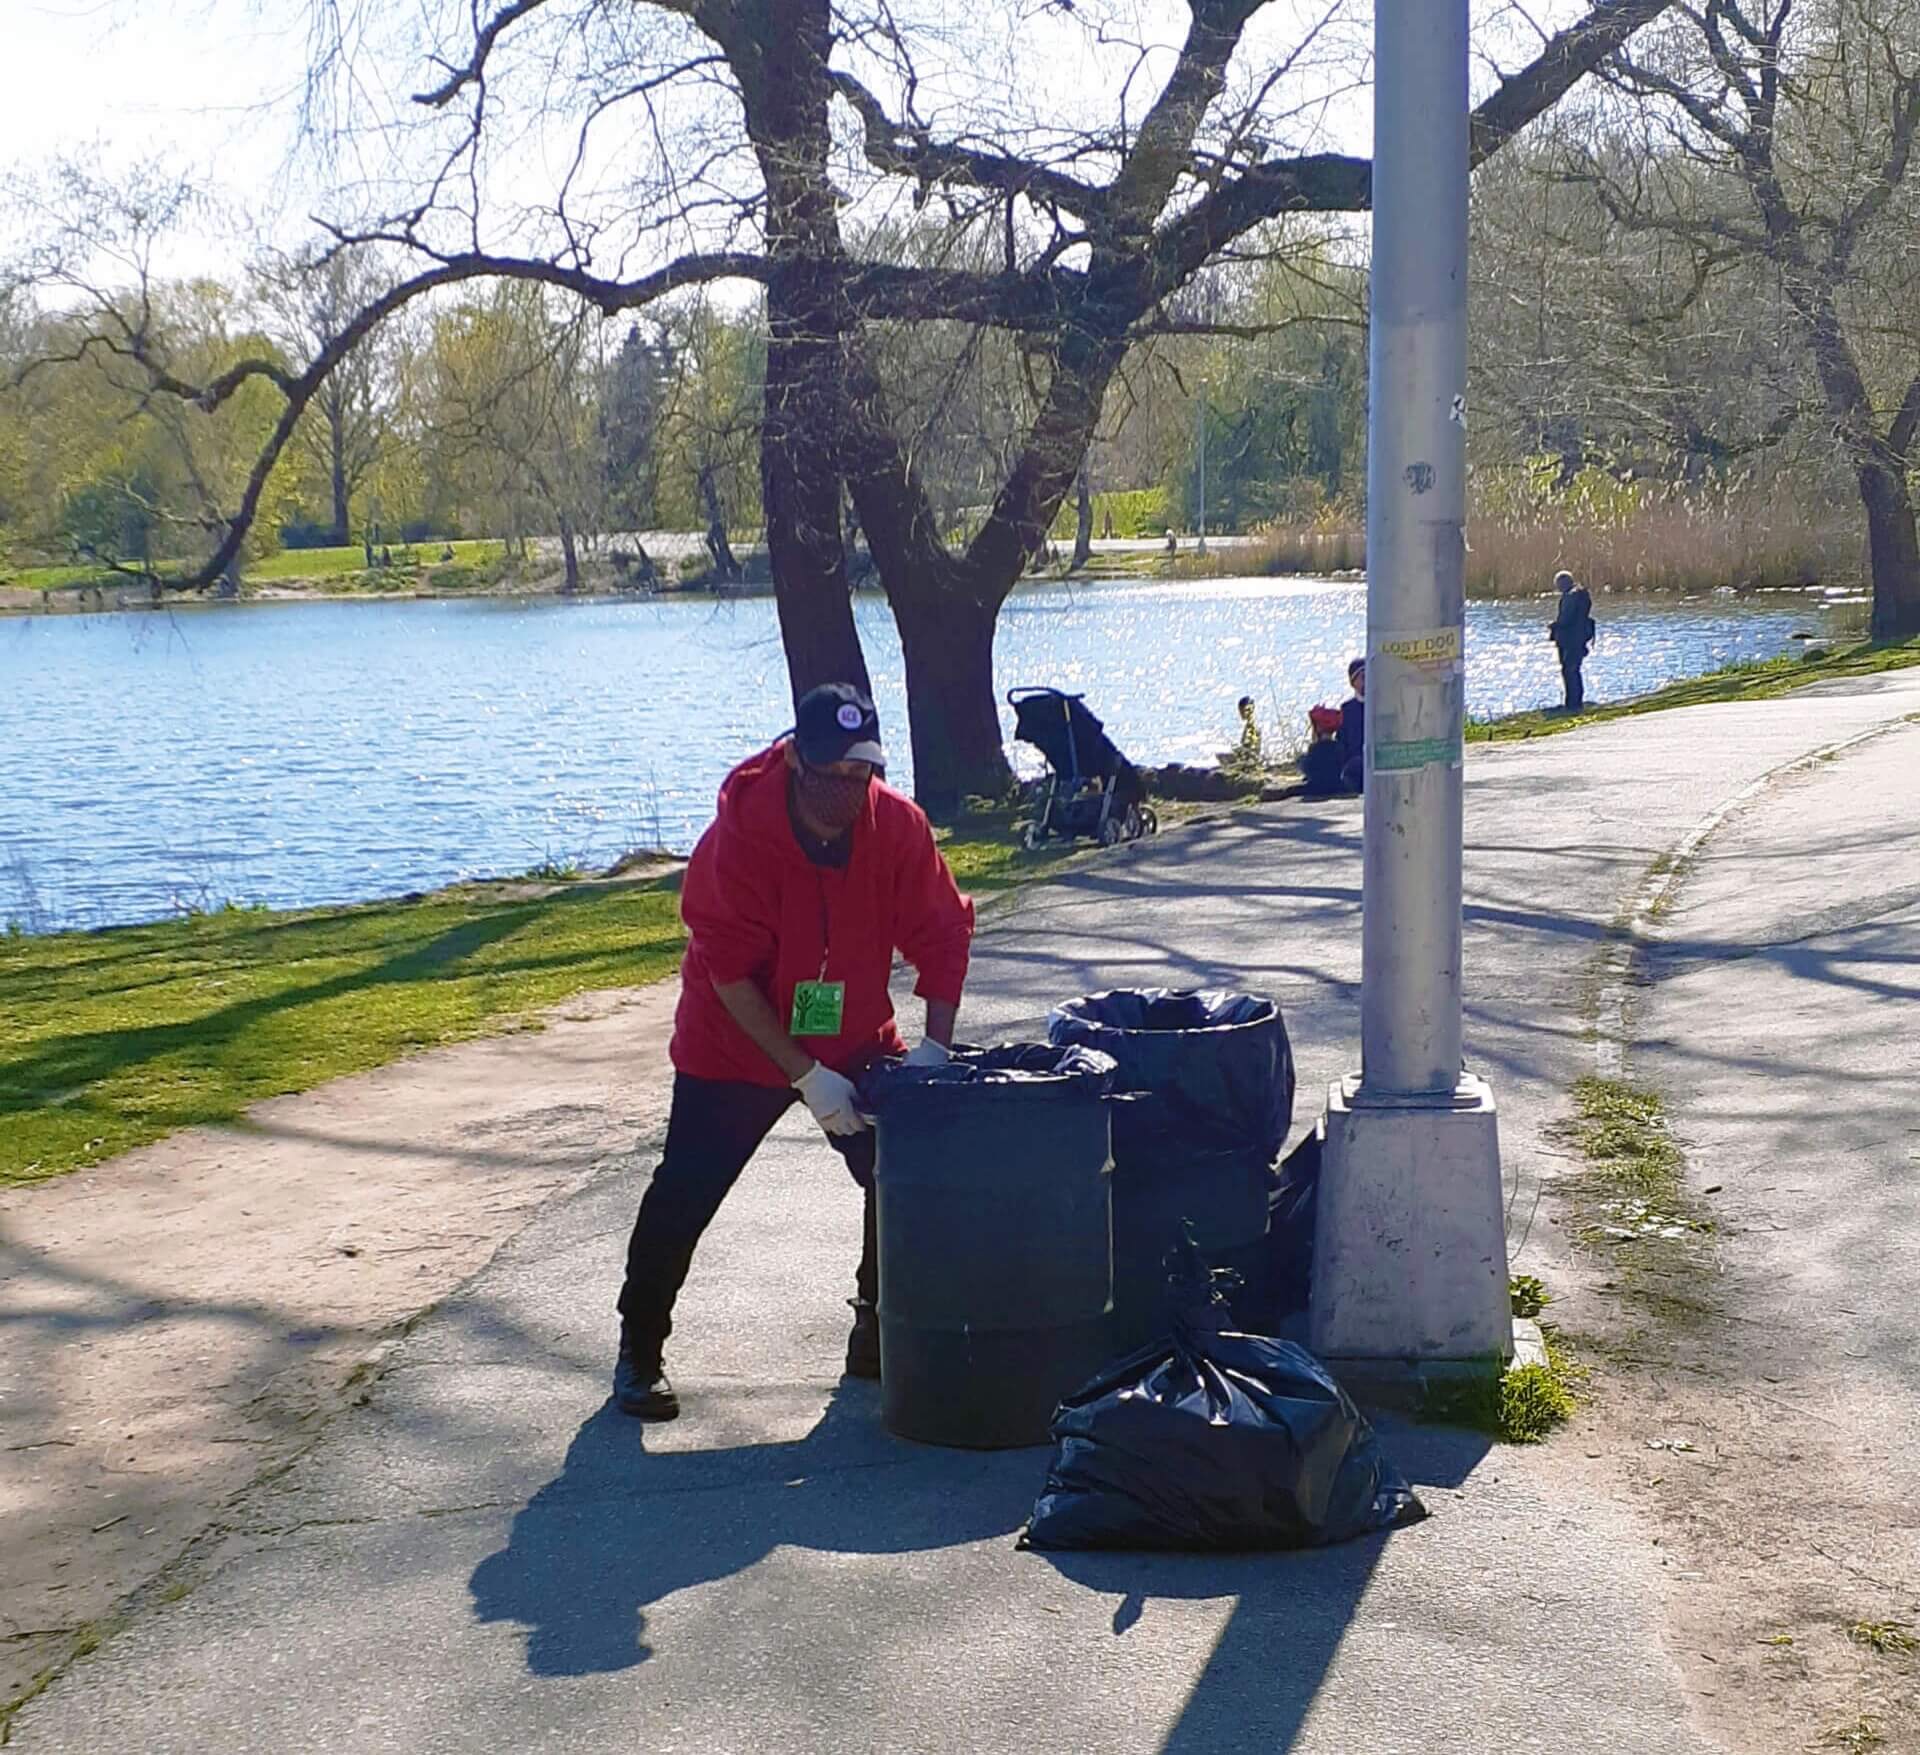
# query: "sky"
{"type": "Point", "coordinates": [212, 89]}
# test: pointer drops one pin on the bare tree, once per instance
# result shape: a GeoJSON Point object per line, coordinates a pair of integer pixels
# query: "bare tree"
{"type": "Point", "coordinates": [1802, 119]}
{"type": "Point", "coordinates": [312, 298]}
{"type": "Point", "coordinates": [765, 120]}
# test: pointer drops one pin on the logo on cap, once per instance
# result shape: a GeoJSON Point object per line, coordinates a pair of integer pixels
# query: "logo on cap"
{"type": "Point", "coordinates": [849, 717]}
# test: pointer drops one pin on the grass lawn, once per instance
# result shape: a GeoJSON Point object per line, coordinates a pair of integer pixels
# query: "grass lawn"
{"type": "Point", "coordinates": [277, 569]}
{"type": "Point", "coordinates": [1759, 680]}
{"type": "Point", "coordinates": [109, 1040]}
{"type": "Point", "coordinates": [334, 563]}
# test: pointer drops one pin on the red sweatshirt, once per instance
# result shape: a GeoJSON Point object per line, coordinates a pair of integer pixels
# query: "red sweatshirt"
{"type": "Point", "coordinates": [758, 909]}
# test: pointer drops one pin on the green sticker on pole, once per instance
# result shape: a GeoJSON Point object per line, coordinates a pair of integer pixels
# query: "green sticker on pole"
{"type": "Point", "coordinates": [1414, 752]}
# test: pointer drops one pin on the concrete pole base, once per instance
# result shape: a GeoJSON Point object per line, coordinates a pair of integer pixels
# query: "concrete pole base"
{"type": "Point", "coordinates": [1410, 1244]}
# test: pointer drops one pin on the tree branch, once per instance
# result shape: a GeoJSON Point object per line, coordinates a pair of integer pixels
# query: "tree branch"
{"type": "Point", "coordinates": [1568, 57]}
{"type": "Point", "coordinates": [459, 78]}
{"type": "Point", "coordinates": [906, 150]}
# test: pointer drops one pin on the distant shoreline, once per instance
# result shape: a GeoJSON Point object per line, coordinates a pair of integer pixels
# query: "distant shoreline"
{"type": "Point", "coordinates": [131, 597]}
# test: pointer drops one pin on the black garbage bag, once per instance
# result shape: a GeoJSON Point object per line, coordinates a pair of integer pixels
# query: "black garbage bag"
{"type": "Point", "coordinates": [1026, 1069]}
{"type": "Point", "coordinates": [1217, 1441]}
{"type": "Point", "coordinates": [1279, 1276]}
{"type": "Point", "coordinates": [1210, 1070]}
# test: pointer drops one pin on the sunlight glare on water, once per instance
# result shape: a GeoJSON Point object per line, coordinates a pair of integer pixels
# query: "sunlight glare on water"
{"type": "Point", "coordinates": [291, 754]}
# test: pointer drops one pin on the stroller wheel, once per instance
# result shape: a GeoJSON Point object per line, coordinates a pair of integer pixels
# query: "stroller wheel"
{"type": "Point", "coordinates": [1136, 823]}
{"type": "Point", "coordinates": [1111, 831]}
{"type": "Point", "coordinates": [1149, 820]}
{"type": "Point", "coordinates": [1032, 837]}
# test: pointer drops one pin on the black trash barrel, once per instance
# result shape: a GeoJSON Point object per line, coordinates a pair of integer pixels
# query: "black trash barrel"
{"type": "Point", "coordinates": [994, 1222]}
{"type": "Point", "coordinates": [1206, 1087]}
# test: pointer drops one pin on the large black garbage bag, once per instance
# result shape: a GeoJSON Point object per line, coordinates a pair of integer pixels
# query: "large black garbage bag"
{"type": "Point", "coordinates": [1210, 1070]}
{"type": "Point", "coordinates": [1216, 1441]}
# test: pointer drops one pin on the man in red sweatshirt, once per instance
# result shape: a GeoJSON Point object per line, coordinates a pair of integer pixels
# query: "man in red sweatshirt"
{"type": "Point", "coordinates": [813, 874]}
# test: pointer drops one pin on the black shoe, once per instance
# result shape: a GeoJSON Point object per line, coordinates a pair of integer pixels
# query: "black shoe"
{"type": "Point", "coordinates": [863, 1344]}
{"type": "Point", "coordinates": [641, 1388]}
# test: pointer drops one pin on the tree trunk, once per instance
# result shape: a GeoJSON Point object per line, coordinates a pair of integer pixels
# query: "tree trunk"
{"type": "Point", "coordinates": [779, 51]}
{"type": "Point", "coordinates": [1083, 528]}
{"type": "Point", "coordinates": [1880, 467]}
{"type": "Point", "coordinates": [947, 640]}
{"type": "Point", "coordinates": [570, 554]}
{"type": "Point", "coordinates": [337, 459]}
{"type": "Point", "coordinates": [800, 491]}
{"type": "Point", "coordinates": [1894, 553]}
{"type": "Point", "coordinates": [717, 545]}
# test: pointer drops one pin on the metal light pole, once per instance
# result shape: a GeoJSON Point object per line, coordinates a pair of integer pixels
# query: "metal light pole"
{"type": "Point", "coordinates": [1410, 1262]}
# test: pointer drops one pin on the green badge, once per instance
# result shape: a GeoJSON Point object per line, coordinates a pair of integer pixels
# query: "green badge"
{"type": "Point", "coordinates": [818, 1007]}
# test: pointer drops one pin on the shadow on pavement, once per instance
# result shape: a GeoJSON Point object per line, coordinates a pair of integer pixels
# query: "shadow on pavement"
{"type": "Point", "coordinates": [1291, 1613]}
{"type": "Point", "coordinates": [595, 1550]}
{"type": "Point", "coordinates": [621, 1527]}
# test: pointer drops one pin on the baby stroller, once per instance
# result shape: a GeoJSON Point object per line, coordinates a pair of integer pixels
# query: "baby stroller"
{"type": "Point", "coordinates": [1091, 789]}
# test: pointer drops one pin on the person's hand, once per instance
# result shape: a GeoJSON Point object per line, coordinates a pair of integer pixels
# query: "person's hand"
{"type": "Point", "coordinates": [830, 1097]}
{"type": "Point", "coordinates": [929, 1053]}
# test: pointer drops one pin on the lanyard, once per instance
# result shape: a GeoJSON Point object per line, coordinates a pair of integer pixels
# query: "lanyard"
{"type": "Point", "coordinates": [826, 922]}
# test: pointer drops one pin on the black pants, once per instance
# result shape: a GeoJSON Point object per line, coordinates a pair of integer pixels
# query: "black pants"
{"type": "Point", "coordinates": [714, 1128]}
{"type": "Point", "coordinates": [1576, 687]}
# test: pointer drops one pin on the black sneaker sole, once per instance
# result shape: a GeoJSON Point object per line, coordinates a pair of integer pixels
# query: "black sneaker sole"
{"type": "Point", "coordinates": [649, 1407]}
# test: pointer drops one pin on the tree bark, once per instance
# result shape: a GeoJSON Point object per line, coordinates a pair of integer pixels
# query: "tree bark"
{"type": "Point", "coordinates": [337, 469]}
{"type": "Point", "coordinates": [946, 638]}
{"type": "Point", "coordinates": [1083, 527]}
{"type": "Point", "coordinates": [1893, 549]}
{"type": "Point", "coordinates": [570, 554]}
{"type": "Point", "coordinates": [778, 50]}
{"type": "Point", "coordinates": [1879, 466]}
{"type": "Point", "coordinates": [717, 545]}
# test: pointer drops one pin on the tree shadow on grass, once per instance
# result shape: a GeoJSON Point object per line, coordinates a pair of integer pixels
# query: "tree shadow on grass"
{"type": "Point", "coordinates": [73, 1061]}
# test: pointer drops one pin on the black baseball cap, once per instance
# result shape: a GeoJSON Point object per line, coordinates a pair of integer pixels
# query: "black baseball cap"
{"type": "Point", "coordinates": [836, 723]}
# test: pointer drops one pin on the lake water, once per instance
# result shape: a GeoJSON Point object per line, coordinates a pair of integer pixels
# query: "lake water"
{"type": "Point", "coordinates": [292, 754]}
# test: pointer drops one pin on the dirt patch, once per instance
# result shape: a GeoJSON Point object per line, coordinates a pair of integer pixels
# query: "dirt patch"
{"type": "Point", "coordinates": [1735, 1252]}
{"type": "Point", "coordinates": [181, 1319]}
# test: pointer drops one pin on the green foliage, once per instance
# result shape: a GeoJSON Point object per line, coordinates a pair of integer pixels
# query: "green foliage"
{"type": "Point", "coordinates": [1886, 1638]}
{"type": "Point", "coordinates": [1136, 513]}
{"type": "Point", "coordinates": [1622, 1132]}
{"type": "Point", "coordinates": [1522, 1404]}
{"type": "Point", "coordinates": [1528, 1295]}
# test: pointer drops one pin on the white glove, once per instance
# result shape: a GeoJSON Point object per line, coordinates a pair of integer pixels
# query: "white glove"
{"type": "Point", "coordinates": [929, 1053]}
{"type": "Point", "coordinates": [831, 1097]}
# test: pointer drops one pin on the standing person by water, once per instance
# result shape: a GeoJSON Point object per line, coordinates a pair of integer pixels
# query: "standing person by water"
{"type": "Point", "coordinates": [1572, 632]}
{"type": "Point", "coordinates": [1353, 729]}
{"type": "Point", "coordinates": [812, 876]}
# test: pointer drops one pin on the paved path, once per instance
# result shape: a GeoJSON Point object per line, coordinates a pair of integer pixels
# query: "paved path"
{"type": "Point", "coordinates": [481, 1557]}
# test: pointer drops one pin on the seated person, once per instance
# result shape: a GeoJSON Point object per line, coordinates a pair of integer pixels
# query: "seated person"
{"type": "Point", "coordinates": [1353, 729]}
{"type": "Point", "coordinates": [1245, 756]}
{"type": "Point", "coordinates": [1321, 761]}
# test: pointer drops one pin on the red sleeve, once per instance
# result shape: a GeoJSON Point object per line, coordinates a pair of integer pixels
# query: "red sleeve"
{"type": "Point", "coordinates": [729, 918]}
{"type": "Point", "coordinates": [935, 922]}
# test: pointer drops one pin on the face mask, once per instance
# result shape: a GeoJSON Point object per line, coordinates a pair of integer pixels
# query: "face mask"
{"type": "Point", "coordinates": [834, 801]}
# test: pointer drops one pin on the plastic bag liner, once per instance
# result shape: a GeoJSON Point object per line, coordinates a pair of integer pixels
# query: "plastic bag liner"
{"type": "Point", "coordinates": [1217, 1441]}
{"type": "Point", "coordinates": [1215, 1069]}
{"type": "Point", "coordinates": [1028, 1071]}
